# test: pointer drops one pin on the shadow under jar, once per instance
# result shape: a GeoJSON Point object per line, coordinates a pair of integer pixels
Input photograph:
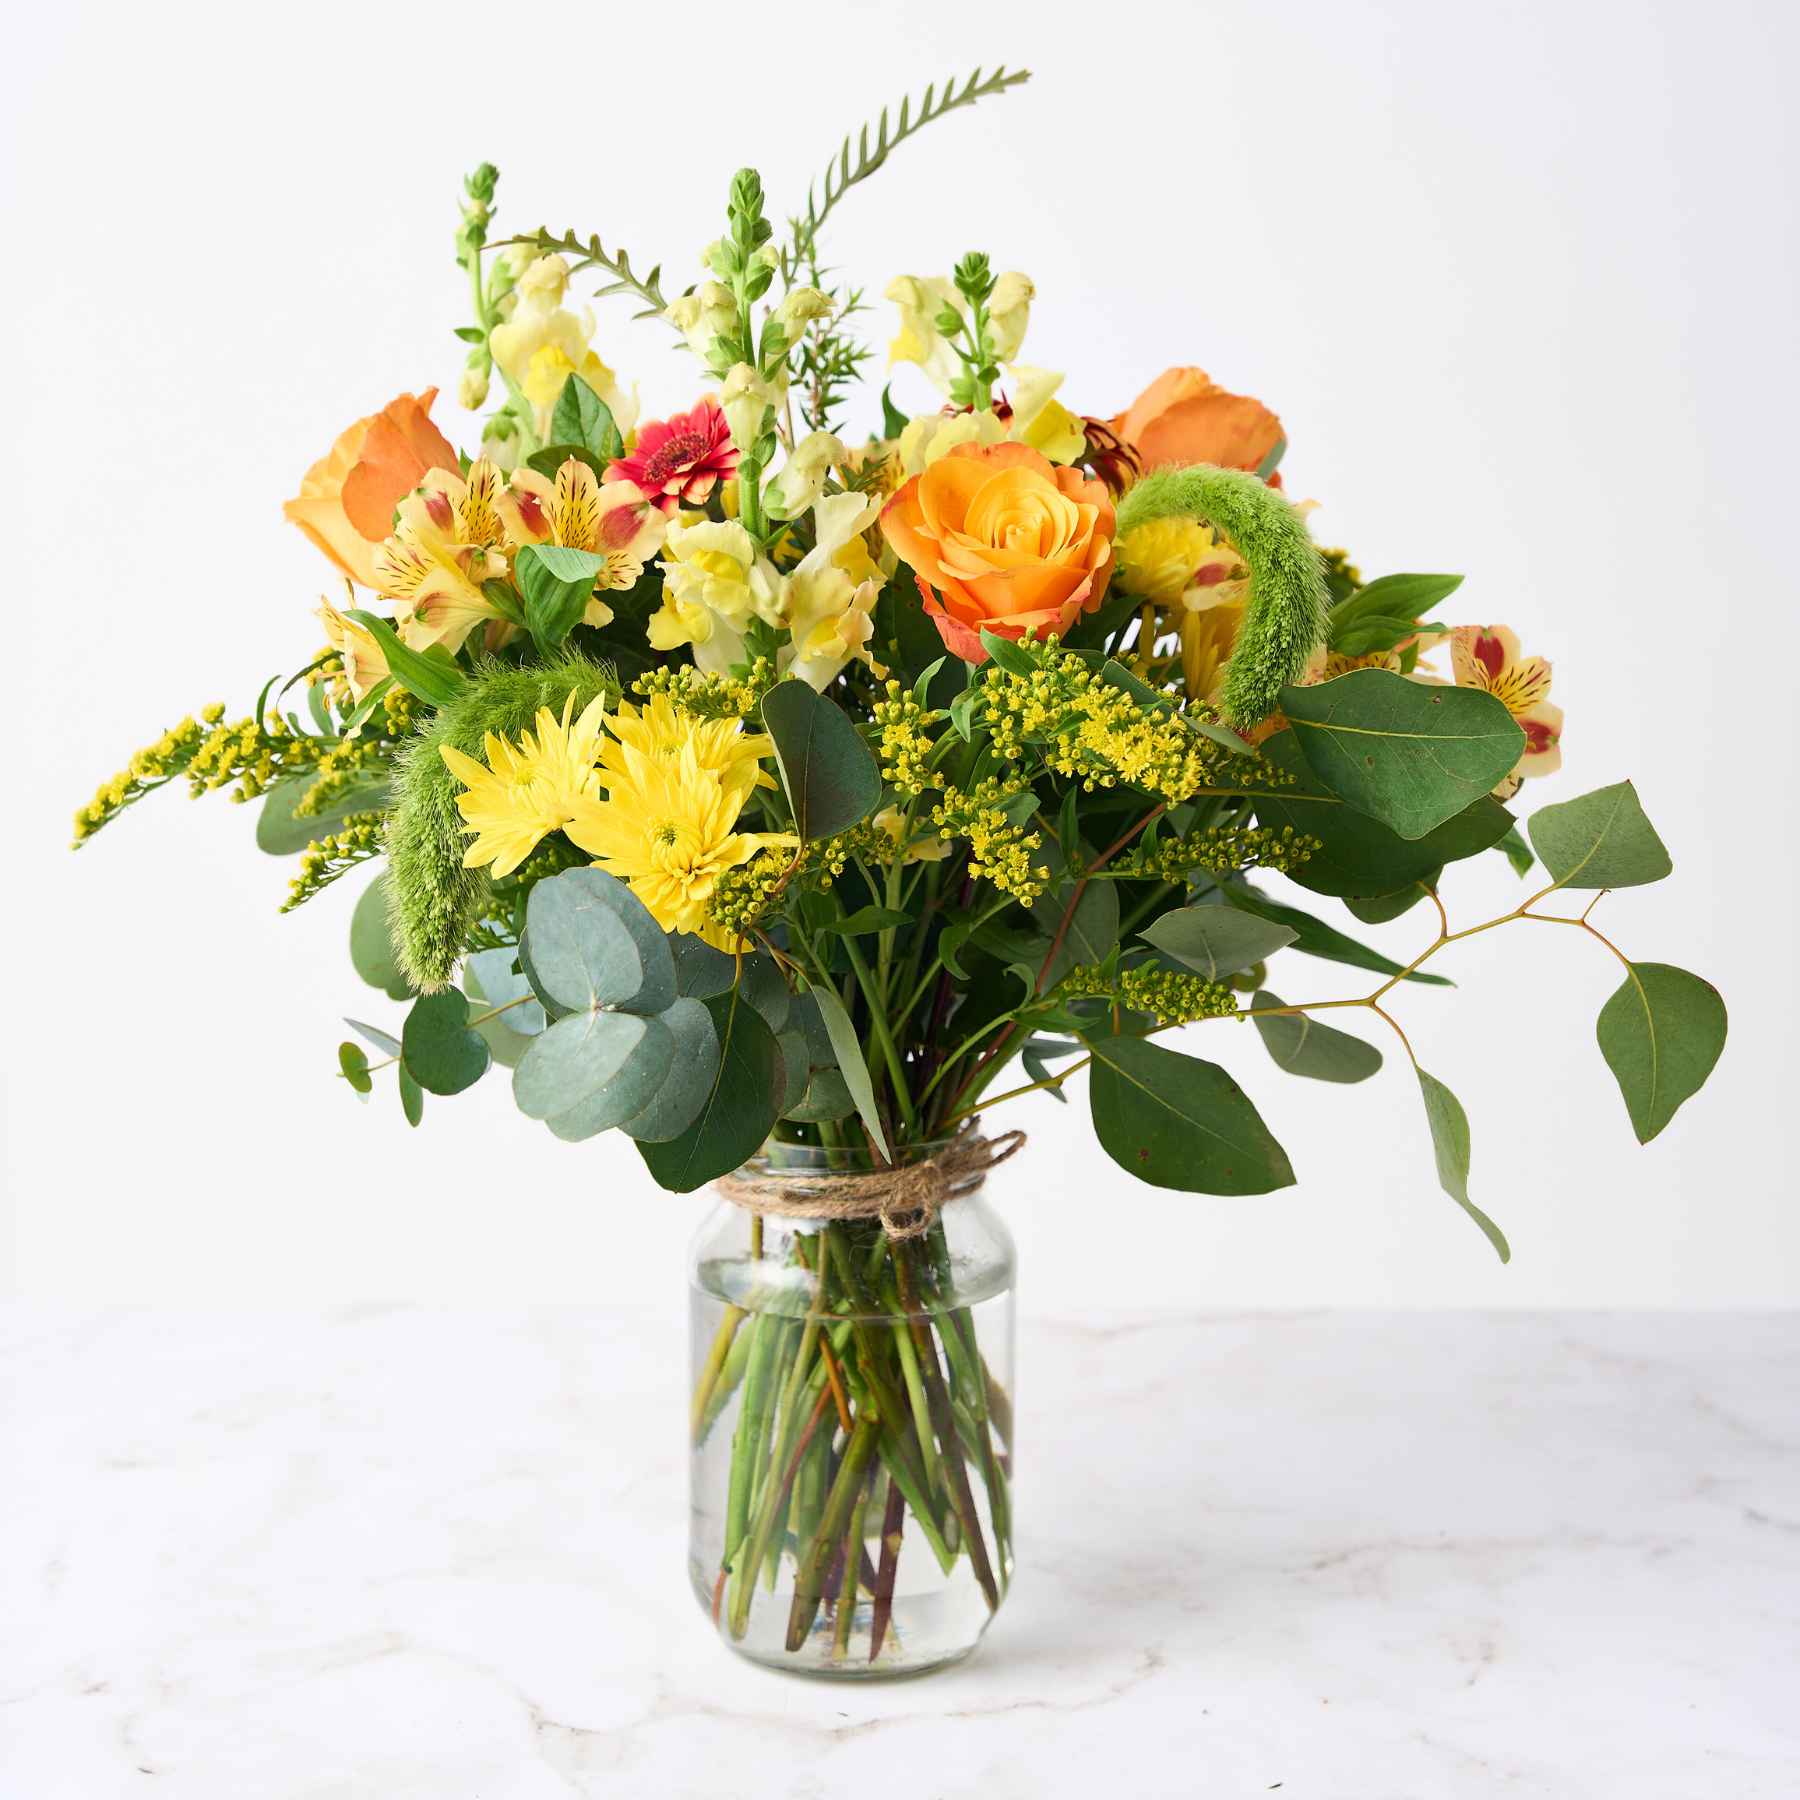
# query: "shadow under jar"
{"type": "Point", "coordinates": [851, 1427]}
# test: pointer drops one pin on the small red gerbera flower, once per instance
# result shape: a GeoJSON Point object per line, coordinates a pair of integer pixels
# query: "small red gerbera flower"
{"type": "Point", "coordinates": [679, 460]}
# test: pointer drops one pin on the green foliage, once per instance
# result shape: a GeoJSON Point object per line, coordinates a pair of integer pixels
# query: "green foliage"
{"type": "Point", "coordinates": [1285, 617]}
{"type": "Point", "coordinates": [1386, 612]}
{"type": "Point", "coordinates": [372, 952]}
{"type": "Point", "coordinates": [280, 831]}
{"type": "Point", "coordinates": [444, 1055]}
{"type": "Point", "coordinates": [1600, 840]}
{"type": "Point", "coordinates": [436, 901]}
{"type": "Point", "coordinates": [412, 1096]}
{"type": "Point", "coordinates": [1450, 1144]}
{"type": "Point", "coordinates": [1177, 1122]}
{"type": "Point", "coordinates": [855, 1071]}
{"type": "Point", "coordinates": [1661, 1033]}
{"type": "Point", "coordinates": [430, 674]}
{"type": "Point", "coordinates": [354, 1066]}
{"type": "Point", "coordinates": [740, 1107]}
{"type": "Point", "coordinates": [1302, 1046]}
{"type": "Point", "coordinates": [591, 254]}
{"type": "Point", "coordinates": [827, 770]}
{"type": "Point", "coordinates": [1379, 909]}
{"type": "Point", "coordinates": [556, 583]}
{"type": "Point", "coordinates": [593, 1070]}
{"type": "Point", "coordinates": [693, 1067]}
{"type": "Point", "coordinates": [583, 420]}
{"type": "Point", "coordinates": [1407, 753]}
{"type": "Point", "coordinates": [1357, 854]}
{"type": "Point", "coordinates": [1218, 941]}
{"type": "Point", "coordinates": [1313, 937]}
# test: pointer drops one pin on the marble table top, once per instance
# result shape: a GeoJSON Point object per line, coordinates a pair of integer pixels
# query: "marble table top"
{"type": "Point", "coordinates": [1354, 1556]}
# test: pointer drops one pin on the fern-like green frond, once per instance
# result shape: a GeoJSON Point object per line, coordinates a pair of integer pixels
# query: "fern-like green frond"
{"type": "Point", "coordinates": [592, 254]}
{"type": "Point", "coordinates": [1284, 620]}
{"type": "Point", "coordinates": [434, 902]}
{"type": "Point", "coordinates": [842, 173]}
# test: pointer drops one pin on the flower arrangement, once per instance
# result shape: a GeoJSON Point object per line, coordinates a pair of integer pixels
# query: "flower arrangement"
{"type": "Point", "coordinates": [740, 782]}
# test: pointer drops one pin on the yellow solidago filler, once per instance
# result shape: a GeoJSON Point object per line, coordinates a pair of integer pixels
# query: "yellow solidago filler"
{"type": "Point", "coordinates": [358, 837]}
{"type": "Point", "coordinates": [905, 748]}
{"type": "Point", "coordinates": [148, 769]}
{"type": "Point", "coordinates": [529, 789]}
{"type": "Point", "coordinates": [743, 896]}
{"type": "Point", "coordinates": [999, 850]}
{"type": "Point", "coordinates": [668, 828]}
{"type": "Point", "coordinates": [1218, 849]}
{"type": "Point", "coordinates": [349, 765]}
{"type": "Point", "coordinates": [1169, 996]}
{"type": "Point", "coordinates": [710, 696]}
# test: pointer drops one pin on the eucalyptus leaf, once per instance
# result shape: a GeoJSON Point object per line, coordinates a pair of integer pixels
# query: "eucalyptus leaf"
{"type": "Point", "coordinates": [1218, 941]}
{"type": "Point", "coordinates": [700, 970]}
{"type": "Point", "coordinates": [1661, 1033]}
{"type": "Point", "coordinates": [628, 1090]}
{"type": "Point", "coordinates": [355, 1068]}
{"type": "Point", "coordinates": [445, 1056]}
{"type": "Point", "coordinates": [372, 942]}
{"type": "Point", "coordinates": [827, 1097]}
{"type": "Point", "coordinates": [1517, 852]}
{"type": "Point", "coordinates": [373, 1034]}
{"type": "Point", "coordinates": [692, 1070]}
{"type": "Point", "coordinates": [593, 943]}
{"type": "Point", "coordinates": [498, 981]}
{"type": "Point", "coordinates": [848, 1051]}
{"type": "Point", "coordinates": [280, 831]}
{"type": "Point", "coordinates": [828, 772]}
{"type": "Point", "coordinates": [1410, 754]}
{"type": "Point", "coordinates": [1450, 1144]}
{"type": "Point", "coordinates": [1313, 937]}
{"type": "Point", "coordinates": [796, 1066]}
{"type": "Point", "coordinates": [1599, 840]}
{"type": "Point", "coordinates": [762, 983]}
{"type": "Point", "coordinates": [1303, 1046]}
{"type": "Point", "coordinates": [1380, 909]}
{"type": "Point", "coordinates": [412, 1097]}
{"type": "Point", "coordinates": [1177, 1122]}
{"type": "Point", "coordinates": [577, 1059]}
{"type": "Point", "coordinates": [1093, 928]}
{"type": "Point", "coordinates": [739, 1109]}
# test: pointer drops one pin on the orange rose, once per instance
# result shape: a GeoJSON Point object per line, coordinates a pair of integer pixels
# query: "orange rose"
{"type": "Point", "coordinates": [347, 498]}
{"type": "Point", "coordinates": [1011, 543]}
{"type": "Point", "coordinates": [1185, 417]}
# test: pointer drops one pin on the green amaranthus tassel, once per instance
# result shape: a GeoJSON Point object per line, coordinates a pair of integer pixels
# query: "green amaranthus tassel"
{"type": "Point", "coordinates": [1285, 617]}
{"type": "Point", "coordinates": [434, 901]}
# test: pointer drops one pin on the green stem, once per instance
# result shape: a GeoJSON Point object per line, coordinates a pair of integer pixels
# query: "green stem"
{"type": "Point", "coordinates": [723, 1338]}
{"type": "Point", "coordinates": [815, 1560]}
{"type": "Point", "coordinates": [884, 1036]}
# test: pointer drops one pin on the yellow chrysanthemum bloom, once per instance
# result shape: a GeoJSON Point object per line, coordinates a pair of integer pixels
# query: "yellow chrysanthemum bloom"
{"type": "Point", "coordinates": [668, 828]}
{"type": "Point", "coordinates": [720, 746]}
{"type": "Point", "coordinates": [529, 789]}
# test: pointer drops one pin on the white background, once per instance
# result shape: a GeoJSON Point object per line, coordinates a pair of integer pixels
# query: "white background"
{"type": "Point", "coordinates": [1519, 278]}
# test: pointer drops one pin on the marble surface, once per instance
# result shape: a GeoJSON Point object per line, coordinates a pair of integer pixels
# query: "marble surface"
{"type": "Point", "coordinates": [394, 1553]}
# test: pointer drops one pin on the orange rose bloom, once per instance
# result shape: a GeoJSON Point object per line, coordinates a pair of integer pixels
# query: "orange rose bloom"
{"type": "Point", "coordinates": [347, 498]}
{"type": "Point", "coordinates": [1185, 417]}
{"type": "Point", "coordinates": [1011, 543]}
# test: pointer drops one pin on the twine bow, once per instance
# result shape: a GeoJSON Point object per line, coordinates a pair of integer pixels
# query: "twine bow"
{"type": "Point", "coordinates": [906, 1198]}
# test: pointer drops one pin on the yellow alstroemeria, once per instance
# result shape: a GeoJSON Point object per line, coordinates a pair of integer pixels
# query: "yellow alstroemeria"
{"type": "Point", "coordinates": [1487, 657]}
{"type": "Point", "coordinates": [714, 583]}
{"type": "Point", "coordinates": [364, 661]}
{"type": "Point", "coordinates": [611, 520]}
{"type": "Point", "coordinates": [529, 789]}
{"type": "Point", "coordinates": [446, 545]}
{"type": "Point", "coordinates": [542, 344]}
{"type": "Point", "coordinates": [831, 594]}
{"type": "Point", "coordinates": [668, 828]}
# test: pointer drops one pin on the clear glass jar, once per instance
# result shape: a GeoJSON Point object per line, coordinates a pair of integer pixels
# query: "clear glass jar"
{"type": "Point", "coordinates": [852, 1436]}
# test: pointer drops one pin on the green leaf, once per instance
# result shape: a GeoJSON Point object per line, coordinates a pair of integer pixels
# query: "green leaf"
{"type": "Point", "coordinates": [551, 458]}
{"type": "Point", "coordinates": [435, 679]}
{"type": "Point", "coordinates": [355, 1067]}
{"type": "Point", "coordinates": [1387, 610]}
{"type": "Point", "coordinates": [582, 417]}
{"type": "Point", "coordinates": [700, 970]}
{"type": "Point", "coordinates": [444, 1055]}
{"type": "Point", "coordinates": [1600, 840]}
{"type": "Point", "coordinates": [412, 1097]}
{"type": "Point", "coordinates": [281, 832]}
{"type": "Point", "coordinates": [1450, 1143]}
{"type": "Point", "coordinates": [1218, 941]}
{"type": "Point", "coordinates": [592, 1071]}
{"type": "Point", "coordinates": [1408, 753]}
{"type": "Point", "coordinates": [864, 920]}
{"type": "Point", "coordinates": [1661, 1034]}
{"type": "Point", "coordinates": [893, 420]}
{"type": "Point", "coordinates": [1379, 909]}
{"type": "Point", "coordinates": [762, 983]}
{"type": "Point", "coordinates": [557, 584]}
{"type": "Point", "coordinates": [498, 982]}
{"type": "Point", "coordinates": [1008, 654]}
{"type": "Point", "coordinates": [595, 944]}
{"type": "Point", "coordinates": [855, 1071]}
{"type": "Point", "coordinates": [739, 1110]}
{"type": "Point", "coordinates": [373, 1034]}
{"type": "Point", "coordinates": [828, 771]}
{"type": "Point", "coordinates": [692, 1070]}
{"type": "Point", "coordinates": [372, 943]}
{"type": "Point", "coordinates": [1093, 932]}
{"type": "Point", "coordinates": [1359, 855]}
{"type": "Point", "coordinates": [1177, 1122]}
{"type": "Point", "coordinates": [1516, 851]}
{"type": "Point", "coordinates": [827, 1097]}
{"type": "Point", "coordinates": [1302, 1046]}
{"type": "Point", "coordinates": [1313, 937]}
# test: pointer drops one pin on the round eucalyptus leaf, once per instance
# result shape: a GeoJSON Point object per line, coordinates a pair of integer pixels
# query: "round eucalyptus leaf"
{"type": "Point", "coordinates": [580, 1058]}
{"type": "Point", "coordinates": [444, 1055]}
{"type": "Point", "coordinates": [412, 1097]}
{"type": "Point", "coordinates": [693, 1068]}
{"type": "Point", "coordinates": [372, 943]}
{"type": "Point", "coordinates": [595, 944]}
{"type": "Point", "coordinates": [761, 983]}
{"type": "Point", "coordinates": [806, 1016]}
{"type": "Point", "coordinates": [631, 1088]}
{"type": "Point", "coordinates": [700, 970]}
{"type": "Point", "coordinates": [496, 977]}
{"type": "Point", "coordinates": [827, 1096]}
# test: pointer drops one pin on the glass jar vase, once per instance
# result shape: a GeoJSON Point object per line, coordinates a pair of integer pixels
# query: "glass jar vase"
{"type": "Point", "coordinates": [852, 1425]}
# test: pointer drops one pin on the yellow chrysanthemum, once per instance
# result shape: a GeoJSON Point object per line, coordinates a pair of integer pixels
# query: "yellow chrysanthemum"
{"type": "Point", "coordinates": [668, 828]}
{"type": "Point", "coordinates": [1161, 559]}
{"type": "Point", "coordinates": [529, 789]}
{"type": "Point", "coordinates": [662, 728]}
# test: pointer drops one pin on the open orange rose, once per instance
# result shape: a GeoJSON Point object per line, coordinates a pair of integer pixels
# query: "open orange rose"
{"type": "Point", "coordinates": [1010, 542]}
{"type": "Point", "coordinates": [347, 498]}
{"type": "Point", "coordinates": [1185, 417]}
